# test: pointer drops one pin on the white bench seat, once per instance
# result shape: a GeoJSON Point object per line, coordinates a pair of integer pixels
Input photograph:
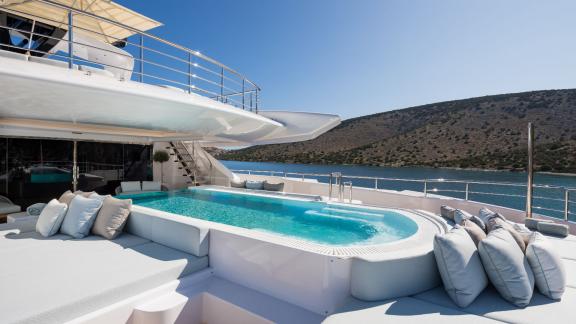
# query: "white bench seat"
{"type": "Point", "coordinates": [435, 306]}
{"type": "Point", "coordinates": [57, 279]}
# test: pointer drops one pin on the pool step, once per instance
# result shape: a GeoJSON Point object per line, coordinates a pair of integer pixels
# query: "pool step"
{"type": "Point", "coordinates": [344, 218]}
{"type": "Point", "coordinates": [353, 212]}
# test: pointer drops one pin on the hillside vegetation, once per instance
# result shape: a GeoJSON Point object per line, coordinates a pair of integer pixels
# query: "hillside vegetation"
{"type": "Point", "coordinates": [486, 132]}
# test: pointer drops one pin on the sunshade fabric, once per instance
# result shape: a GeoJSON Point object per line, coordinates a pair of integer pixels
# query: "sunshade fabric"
{"type": "Point", "coordinates": [95, 28]}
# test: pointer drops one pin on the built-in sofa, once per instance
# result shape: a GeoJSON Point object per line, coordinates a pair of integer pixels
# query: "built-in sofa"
{"type": "Point", "coordinates": [57, 279]}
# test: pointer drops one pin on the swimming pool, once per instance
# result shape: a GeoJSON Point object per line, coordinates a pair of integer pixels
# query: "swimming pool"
{"type": "Point", "coordinates": [318, 222]}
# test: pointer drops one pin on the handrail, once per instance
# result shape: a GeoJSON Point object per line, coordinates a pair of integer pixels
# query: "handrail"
{"type": "Point", "coordinates": [228, 81]}
{"type": "Point", "coordinates": [427, 189]}
{"type": "Point", "coordinates": [156, 38]}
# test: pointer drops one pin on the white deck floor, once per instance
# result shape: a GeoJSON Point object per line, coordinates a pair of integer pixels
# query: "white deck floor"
{"type": "Point", "coordinates": [434, 306]}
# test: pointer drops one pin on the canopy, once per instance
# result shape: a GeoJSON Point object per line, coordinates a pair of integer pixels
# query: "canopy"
{"type": "Point", "coordinates": [95, 28]}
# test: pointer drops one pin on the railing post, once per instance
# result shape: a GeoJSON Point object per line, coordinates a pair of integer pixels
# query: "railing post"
{"type": "Point", "coordinates": [467, 187]}
{"type": "Point", "coordinates": [243, 94]}
{"type": "Point", "coordinates": [566, 204]}
{"type": "Point", "coordinates": [330, 186]}
{"type": "Point", "coordinates": [75, 166]}
{"type": "Point", "coordinates": [425, 188]}
{"type": "Point", "coordinates": [222, 84]}
{"type": "Point", "coordinates": [189, 72]}
{"type": "Point", "coordinates": [376, 183]}
{"type": "Point", "coordinates": [251, 100]}
{"type": "Point", "coordinates": [256, 100]}
{"type": "Point", "coordinates": [70, 40]}
{"type": "Point", "coordinates": [530, 182]}
{"type": "Point", "coordinates": [31, 35]}
{"type": "Point", "coordinates": [141, 78]}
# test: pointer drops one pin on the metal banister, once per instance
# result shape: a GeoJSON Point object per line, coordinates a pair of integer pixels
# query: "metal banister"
{"type": "Point", "coordinates": [142, 33]}
{"type": "Point", "coordinates": [468, 191]}
{"type": "Point", "coordinates": [217, 82]}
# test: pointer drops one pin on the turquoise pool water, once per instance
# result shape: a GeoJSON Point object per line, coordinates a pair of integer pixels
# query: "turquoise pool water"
{"type": "Point", "coordinates": [318, 222]}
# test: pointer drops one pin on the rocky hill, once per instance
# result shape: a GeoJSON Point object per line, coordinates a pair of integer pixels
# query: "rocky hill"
{"type": "Point", "coordinates": [486, 132]}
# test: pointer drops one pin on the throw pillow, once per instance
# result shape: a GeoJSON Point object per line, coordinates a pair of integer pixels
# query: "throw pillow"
{"type": "Point", "coordinates": [460, 266]}
{"type": "Point", "coordinates": [51, 218]}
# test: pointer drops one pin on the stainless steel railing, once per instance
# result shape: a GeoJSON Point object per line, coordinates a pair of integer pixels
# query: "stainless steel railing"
{"type": "Point", "coordinates": [156, 61]}
{"type": "Point", "coordinates": [555, 201]}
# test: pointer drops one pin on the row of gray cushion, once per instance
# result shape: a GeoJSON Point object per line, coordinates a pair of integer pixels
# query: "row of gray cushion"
{"type": "Point", "coordinates": [257, 185]}
{"type": "Point", "coordinates": [487, 248]}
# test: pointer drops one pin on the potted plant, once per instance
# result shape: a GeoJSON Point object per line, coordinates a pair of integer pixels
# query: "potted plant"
{"type": "Point", "coordinates": [161, 157]}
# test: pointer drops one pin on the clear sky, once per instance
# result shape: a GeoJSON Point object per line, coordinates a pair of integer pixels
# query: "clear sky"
{"type": "Point", "coordinates": [360, 57]}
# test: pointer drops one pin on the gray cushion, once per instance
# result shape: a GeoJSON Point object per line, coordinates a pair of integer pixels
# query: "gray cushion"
{"type": "Point", "coordinates": [238, 183]}
{"type": "Point", "coordinates": [85, 194]}
{"type": "Point", "coordinates": [532, 223]}
{"type": "Point", "coordinates": [549, 272]}
{"type": "Point", "coordinates": [7, 208]}
{"type": "Point", "coordinates": [51, 218]}
{"type": "Point", "coordinates": [112, 217]}
{"type": "Point", "coordinates": [447, 212]}
{"type": "Point", "coordinates": [35, 209]}
{"type": "Point", "coordinates": [459, 266]}
{"type": "Point", "coordinates": [553, 229]}
{"type": "Point", "coordinates": [273, 186]}
{"type": "Point", "coordinates": [498, 221]}
{"type": "Point", "coordinates": [461, 215]}
{"type": "Point", "coordinates": [485, 214]}
{"type": "Point", "coordinates": [128, 186]}
{"type": "Point", "coordinates": [255, 185]}
{"type": "Point", "coordinates": [80, 216]}
{"type": "Point", "coordinates": [67, 197]}
{"type": "Point", "coordinates": [475, 232]}
{"type": "Point", "coordinates": [507, 267]}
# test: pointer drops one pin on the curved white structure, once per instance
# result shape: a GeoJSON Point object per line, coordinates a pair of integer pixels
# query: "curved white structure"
{"type": "Point", "coordinates": [47, 98]}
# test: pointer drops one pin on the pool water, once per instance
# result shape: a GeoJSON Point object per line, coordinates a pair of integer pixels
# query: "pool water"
{"type": "Point", "coordinates": [319, 222]}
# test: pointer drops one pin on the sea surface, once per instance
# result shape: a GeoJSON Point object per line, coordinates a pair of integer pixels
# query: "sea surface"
{"type": "Point", "coordinates": [547, 200]}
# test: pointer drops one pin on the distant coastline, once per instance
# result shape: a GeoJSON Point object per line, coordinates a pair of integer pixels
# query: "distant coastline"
{"type": "Point", "coordinates": [485, 133]}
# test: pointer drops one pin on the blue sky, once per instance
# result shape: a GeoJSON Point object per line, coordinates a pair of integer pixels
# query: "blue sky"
{"type": "Point", "coordinates": [360, 57]}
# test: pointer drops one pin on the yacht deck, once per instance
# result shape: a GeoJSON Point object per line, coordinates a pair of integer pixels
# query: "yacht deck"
{"type": "Point", "coordinates": [434, 306]}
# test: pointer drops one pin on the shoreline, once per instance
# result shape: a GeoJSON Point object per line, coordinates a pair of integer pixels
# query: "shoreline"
{"type": "Point", "coordinates": [563, 174]}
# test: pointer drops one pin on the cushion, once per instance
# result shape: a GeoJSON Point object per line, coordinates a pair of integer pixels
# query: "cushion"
{"type": "Point", "coordinates": [51, 218]}
{"type": "Point", "coordinates": [447, 212]}
{"type": "Point", "coordinates": [35, 209]}
{"type": "Point", "coordinates": [507, 267]}
{"type": "Point", "coordinates": [112, 217]}
{"type": "Point", "coordinates": [498, 221]}
{"type": "Point", "coordinates": [460, 215]}
{"type": "Point", "coordinates": [8, 208]}
{"type": "Point", "coordinates": [238, 183]}
{"type": "Point", "coordinates": [549, 271]}
{"type": "Point", "coordinates": [460, 266]}
{"type": "Point", "coordinates": [80, 216]}
{"type": "Point", "coordinates": [151, 186]}
{"type": "Point", "coordinates": [475, 232]}
{"type": "Point", "coordinates": [85, 194]}
{"type": "Point", "coordinates": [485, 214]}
{"type": "Point", "coordinates": [524, 232]}
{"type": "Point", "coordinates": [532, 223]}
{"type": "Point", "coordinates": [273, 186]}
{"type": "Point", "coordinates": [67, 197]}
{"type": "Point", "coordinates": [98, 196]}
{"type": "Point", "coordinates": [255, 185]}
{"type": "Point", "coordinates": [553, 229]}
{"type": "Point", "coordinates": [130, 186]}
